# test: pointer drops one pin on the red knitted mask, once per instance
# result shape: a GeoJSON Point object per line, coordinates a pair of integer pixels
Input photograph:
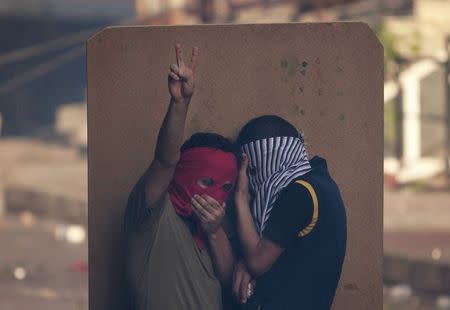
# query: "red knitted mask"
{"type": "Point", "coordinates": [196, 163]}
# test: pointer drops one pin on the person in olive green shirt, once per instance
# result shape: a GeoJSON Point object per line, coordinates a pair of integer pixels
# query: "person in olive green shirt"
{"type": "Point", "coordinates": [177, 252]}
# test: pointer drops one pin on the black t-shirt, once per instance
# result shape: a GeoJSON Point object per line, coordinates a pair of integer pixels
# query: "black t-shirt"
{"type": "Point", "coordinates": [306, 274]}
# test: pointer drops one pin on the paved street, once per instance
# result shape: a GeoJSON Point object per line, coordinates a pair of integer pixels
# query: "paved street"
{"type": "Point", "coordinates": [417, 224]}
{"type": "Point", "coordinates": [55, 275]}
{"type": "Point", "coordinates": [53, 271]}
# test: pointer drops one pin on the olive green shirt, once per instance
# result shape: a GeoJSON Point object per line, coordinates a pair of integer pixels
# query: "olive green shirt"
{"type": "Point", "coordinates": [165, 268]}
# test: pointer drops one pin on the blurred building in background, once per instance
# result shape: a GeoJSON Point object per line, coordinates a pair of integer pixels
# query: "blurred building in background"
{"type": "Point", "coordinates": [42, 56]}
{"type": "Point", "coordinates": [43, 169]}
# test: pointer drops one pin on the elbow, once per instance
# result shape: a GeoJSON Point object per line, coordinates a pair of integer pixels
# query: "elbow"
{"type": "Point", "coordinates": [257, 266]}
{"type": "Point", "coordinates": [262, 257]}
{"type": "Point", "coordinates": [168, 163]}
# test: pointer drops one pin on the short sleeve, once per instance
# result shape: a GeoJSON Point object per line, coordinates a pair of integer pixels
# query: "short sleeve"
{"type": "Point", "coordinates": [292, 212]}
{"type": "Point", "coordinates": [137, 210]}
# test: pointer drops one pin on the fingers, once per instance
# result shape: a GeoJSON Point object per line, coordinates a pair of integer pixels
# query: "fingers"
{"type": "Point", "coordinates": [174, 72]}
{"type": "Point", "coordinates": [241, 280]}
{"type": "Point", "coordinates": [213, 205]}
{"type": "Point", "coordinates": [175, 69]}
{"type": "Point", "coordinates": [181, 72]}
{"type": "Point", "coordinates": [250, 289]}
{"type": "Point", "coordinates": [243, 290]}
{"type": "Point", "coordinates": [200, 215]}
{"type": "Point", "coordinates": [244, 164]}
{"type": "Point", "coordinates": [210, 205]}
{"type": "Point", "coordinates": [174, 76]}
{"type": "Point", "coordinates": [242, 185]}
{"type": "Point", "coordinates": [194, 57]}
{"type": "Point", "coordinates": [237, 282]}
{"type": "Point", "coordinates": [243, 169]}
{"type": "Point", "coordinates": [179, 54]}
{"type": "Point", "coordinates": [200, 210]}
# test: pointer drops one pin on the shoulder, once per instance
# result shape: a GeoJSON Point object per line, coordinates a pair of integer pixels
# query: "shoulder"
{"type": "Point", "coordinates": [138, 214]}
{"type": "Point", "coordinates": [298, 193]}
{"type": "Point", "coordinates": [292, 212]}
{"type": "Point", "coordinates": [296, 190]}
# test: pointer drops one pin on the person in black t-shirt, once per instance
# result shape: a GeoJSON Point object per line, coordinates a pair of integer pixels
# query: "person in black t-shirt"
{"type": "Point", "coordinates": [291, 221]}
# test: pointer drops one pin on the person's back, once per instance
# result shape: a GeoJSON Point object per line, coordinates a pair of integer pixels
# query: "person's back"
{"type": "Point", "coordinates": [306, 274]}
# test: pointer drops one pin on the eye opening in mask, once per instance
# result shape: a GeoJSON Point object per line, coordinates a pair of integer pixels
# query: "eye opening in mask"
{"type": "Point", "coordinates": [252, 170]}
{"type": "Point", "coordinates": [228, 186]}
{"type": "Point", "coordinates": [205, 182]}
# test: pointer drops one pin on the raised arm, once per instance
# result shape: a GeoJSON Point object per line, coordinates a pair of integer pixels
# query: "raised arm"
{"type": "Point", "coordinates": [167, 152]}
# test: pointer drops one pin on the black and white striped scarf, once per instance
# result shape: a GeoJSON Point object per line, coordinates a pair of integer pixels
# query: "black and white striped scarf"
{"type": "Point", "coordinates": [273, 164]}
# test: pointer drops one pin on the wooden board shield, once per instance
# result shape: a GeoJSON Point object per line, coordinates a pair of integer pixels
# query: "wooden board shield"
{"type": "Point", "coordinates": [325, 78]}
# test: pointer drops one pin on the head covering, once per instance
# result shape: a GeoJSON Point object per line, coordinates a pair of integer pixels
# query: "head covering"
{"type": "Point", "coordinates": [273, 164]}
{"type": "Point", "coordinates": [196, 163]}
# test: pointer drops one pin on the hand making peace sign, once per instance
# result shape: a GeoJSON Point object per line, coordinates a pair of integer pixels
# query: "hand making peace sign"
{"type": "Point", "coordinates": [181, 75]}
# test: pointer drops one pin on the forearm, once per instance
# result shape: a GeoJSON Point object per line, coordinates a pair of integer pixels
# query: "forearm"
{"type": "Point", "coordinates": [171, 134]}
{"type": "Point", "coordinates": [259, 253]}
{"type": "Point", "coordinates": [247, 232]}
{"type": "Point", "coordinates": [222, 255]}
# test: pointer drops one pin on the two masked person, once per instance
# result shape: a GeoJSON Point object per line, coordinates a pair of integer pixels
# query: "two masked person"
{"type": "Point", "coordinates": [289, 217]}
